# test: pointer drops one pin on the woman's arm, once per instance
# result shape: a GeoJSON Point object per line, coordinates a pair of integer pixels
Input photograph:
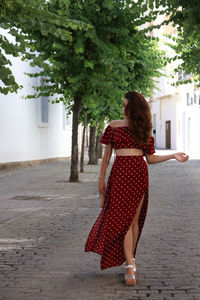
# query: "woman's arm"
{"type": "Point", "coordinates": [154, 159]}
{"type": "Point", "coordinates": [105, 160]}
{"type": "Point", "coordinates": [103, 169]}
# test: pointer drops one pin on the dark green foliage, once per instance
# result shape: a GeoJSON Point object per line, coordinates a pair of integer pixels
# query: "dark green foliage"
{"type": "Point", "coordinates": [101, 55]}
{"type": "Point", "coordinates": [88, 51]}
{"type": "Point", "coordinates": [185, 16]}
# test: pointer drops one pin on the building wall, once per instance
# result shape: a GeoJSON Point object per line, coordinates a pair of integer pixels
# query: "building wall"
{"type": "Point", "coordinates": [22, 134]}
{"type": "Point", "coordinates": [189, 116]}
{"type": "Point", "coordinates": [180, 105]}
{"type": "Point", "coordinates": [184, 116]}
{"type": "Point", "coordinates": [25, 134]}
{"type": "Point", "coordinates": [164, 109]}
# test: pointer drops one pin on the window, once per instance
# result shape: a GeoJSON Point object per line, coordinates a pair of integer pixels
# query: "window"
{"type": "Point", "coordinates": [187, 98]}
{"type": "Point", "coordinates": [42, 107]}
{"type": "Point", "coordinates": [183, 76]}
{"type": "Point", "coordinates": [179, 75]}
{"type": "Point", "coordinates": [195, 98]}
{"type": "Point", "coordinates": [67, 119]}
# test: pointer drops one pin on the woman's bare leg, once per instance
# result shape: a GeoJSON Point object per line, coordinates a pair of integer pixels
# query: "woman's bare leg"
{"type": "Point", "coordinates": [128, 250]}
{"type": "Point", "coordinates": [131, 238]}
{"type": "Point", "coordinates": [128, 246]}
{"type": "Point", "coordinates": [135, 228]}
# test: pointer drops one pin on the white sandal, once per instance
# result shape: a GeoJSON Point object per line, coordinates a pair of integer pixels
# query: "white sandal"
{"type": "Point", "coordinates": [130, 279]}
{"type": "Point", "coordinates": [134, 265]}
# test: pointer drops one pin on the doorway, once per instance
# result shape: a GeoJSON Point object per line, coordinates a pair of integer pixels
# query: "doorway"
{"type": "Point", "coordinates": [168, 134]}
{"type": "Point", "coordinates": [188, 141]}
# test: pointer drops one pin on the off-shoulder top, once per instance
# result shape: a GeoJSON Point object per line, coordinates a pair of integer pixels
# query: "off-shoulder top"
{"type": "Point", "coordinates": [122, 138]}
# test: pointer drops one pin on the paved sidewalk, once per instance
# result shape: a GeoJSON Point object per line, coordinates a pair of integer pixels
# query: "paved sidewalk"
{"type": "Point", "coordinates": [44, 223]}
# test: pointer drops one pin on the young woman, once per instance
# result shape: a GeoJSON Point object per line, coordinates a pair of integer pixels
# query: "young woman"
{"type": "Point", "coordinates": [117, 230]}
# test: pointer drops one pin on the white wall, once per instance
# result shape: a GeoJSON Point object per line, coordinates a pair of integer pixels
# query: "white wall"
{"type": "Point", "coordinates": [21, 135]}
{"type": "Point", "coordinates": [165, 110]}
{"type": "Point", "coordinates": [168, 110]}
{"type": "Point", "coordinates": [170, 103]}
{"type": "Point", "coordinates": [189, 116]}
{"type": "Point", "coordinates": [155, 110]}
{"type": "Point", "coordinates": [185, 125]}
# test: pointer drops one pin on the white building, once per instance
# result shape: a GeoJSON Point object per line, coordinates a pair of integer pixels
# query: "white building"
{"type": "Point", "coordinates": [32, 129]}
{"type": "Point", "coordinates": [175, 110]}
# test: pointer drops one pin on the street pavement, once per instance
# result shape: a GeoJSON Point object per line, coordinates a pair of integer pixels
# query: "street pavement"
{"type": "Point", "coordinates": [45, 221]}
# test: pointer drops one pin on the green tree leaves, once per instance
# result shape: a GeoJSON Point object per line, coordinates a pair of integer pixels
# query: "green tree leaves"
{"type": "Point", "coordinates": [90, 52]}
{"type": "Point", "coordinates": [185, 16]}
{"type": "Point", "coordinates": [32, 19]}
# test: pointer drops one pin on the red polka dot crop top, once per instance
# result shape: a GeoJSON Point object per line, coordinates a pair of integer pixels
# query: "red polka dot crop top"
{"type": "Point", "coordinates": [122, 138]}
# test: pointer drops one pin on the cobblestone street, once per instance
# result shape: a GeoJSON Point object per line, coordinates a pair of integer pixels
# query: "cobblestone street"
{"type": "Point", "coordinates": [45, 221]}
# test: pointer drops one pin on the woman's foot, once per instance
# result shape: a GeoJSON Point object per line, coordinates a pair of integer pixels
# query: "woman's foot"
{"type": "Point", "coordinates": [129, 275]}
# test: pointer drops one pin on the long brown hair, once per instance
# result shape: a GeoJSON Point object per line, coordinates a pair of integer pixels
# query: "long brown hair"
{"type": "Point", "coordinates": [140, 118]}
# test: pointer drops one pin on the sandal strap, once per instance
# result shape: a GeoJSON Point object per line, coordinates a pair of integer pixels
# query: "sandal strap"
{"type": "Point", "coordinates": [129, 276]}
{"type": "Point", "coordinates": [134, 264]}
{"type": "Point", "coordinates": [129, 266]}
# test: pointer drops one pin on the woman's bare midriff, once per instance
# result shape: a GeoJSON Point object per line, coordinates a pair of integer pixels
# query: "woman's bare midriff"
{"type": "Point", "coordinates": [129, 151]}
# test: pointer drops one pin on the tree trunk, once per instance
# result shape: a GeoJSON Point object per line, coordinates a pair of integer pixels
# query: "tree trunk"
{"type": "Point", "coordinates": [97, 147]}
{"type": "Point", "coordinates": [100, 152]}
{"type": "Point", "coordinates": [74, 151]}
{"type": "Point", "coordinates": [92, 156]}
{"type": "Point", "coordinates": [87, 138]}
{"type": "Point", "coordinates": [83, 143]}
{"type": "Point", "coordinates": [100, 147]}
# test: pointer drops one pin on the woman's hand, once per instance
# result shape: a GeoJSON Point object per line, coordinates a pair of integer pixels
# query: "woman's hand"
{"type": "Point", "coordinates": [181, 156]}
{"type": "Point", "coordinates": [102, 185]}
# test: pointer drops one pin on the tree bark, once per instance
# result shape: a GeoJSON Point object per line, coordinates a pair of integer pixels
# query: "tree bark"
{"type": "Point", "coordinates": [91, 153]}
{"type": "Point", "coordinates": [100, 153]}
{"type": "Point", "coordinates": [83, 142]}
{"type": "Point", "coordinates": [87, 138]}
{"type": "Point", "coordinates": [100, 147]}
{"type": "Point", "coordinates": [97, 147]}
{"type": "Point", "coordinates": [74, 151]}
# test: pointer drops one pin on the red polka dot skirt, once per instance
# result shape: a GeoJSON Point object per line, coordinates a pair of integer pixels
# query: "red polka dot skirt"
{"type": "Point", "coordinates": [127, 183]}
